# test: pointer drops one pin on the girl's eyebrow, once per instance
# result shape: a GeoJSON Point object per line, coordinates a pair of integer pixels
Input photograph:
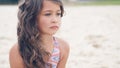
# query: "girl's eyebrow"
{"type": "Point", "coordinates": [51, 11]}
{"type": "Point", "coordinates": [58, 10]}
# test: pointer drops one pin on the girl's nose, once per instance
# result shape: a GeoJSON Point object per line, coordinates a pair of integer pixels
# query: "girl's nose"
{"type": "Point", "coordinates": [55, 19]}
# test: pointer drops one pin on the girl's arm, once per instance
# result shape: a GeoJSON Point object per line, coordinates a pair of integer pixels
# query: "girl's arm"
{"type": "Point", "coordinates": [64, 48]}
{"type": "Point", "coordinates": [15, 58]}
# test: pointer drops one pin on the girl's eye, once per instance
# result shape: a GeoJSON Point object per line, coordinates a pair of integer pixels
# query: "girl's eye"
{"type": "Point", "coordinates": [59, 14]}
{"type": "Point", "coordinates": [47, 14]}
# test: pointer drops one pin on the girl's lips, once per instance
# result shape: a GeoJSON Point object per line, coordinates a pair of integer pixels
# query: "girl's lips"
{"type": "Point", "coordinates": [54, 27]}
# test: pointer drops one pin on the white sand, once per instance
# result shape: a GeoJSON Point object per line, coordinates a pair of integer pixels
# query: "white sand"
{"type": "Point", "coordinates": [93, 33]}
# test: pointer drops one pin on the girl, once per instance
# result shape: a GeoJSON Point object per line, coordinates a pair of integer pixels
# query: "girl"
{"type": "Point", "coordinates": [37, 47]}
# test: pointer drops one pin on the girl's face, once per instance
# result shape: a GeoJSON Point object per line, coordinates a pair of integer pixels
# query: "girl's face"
{"type": "Point", "coordinates": [49, 19]}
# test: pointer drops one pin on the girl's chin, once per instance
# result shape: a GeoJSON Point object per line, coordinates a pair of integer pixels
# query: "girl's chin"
{"type": "Point", "coordinates": [50, 33]}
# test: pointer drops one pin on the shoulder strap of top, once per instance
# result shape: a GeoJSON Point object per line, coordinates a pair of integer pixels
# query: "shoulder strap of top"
{"type": "Point", "coordinates": [55, 42]}
{"type": "Point", "coordinates": [55, 57]}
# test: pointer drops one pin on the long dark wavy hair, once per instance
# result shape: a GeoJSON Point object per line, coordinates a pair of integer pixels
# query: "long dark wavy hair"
{"type": "Point", "coordinates": [29, 39]}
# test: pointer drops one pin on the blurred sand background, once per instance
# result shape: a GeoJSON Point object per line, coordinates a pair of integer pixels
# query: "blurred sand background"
{"type": "Point", "coordinates": [93, 33]}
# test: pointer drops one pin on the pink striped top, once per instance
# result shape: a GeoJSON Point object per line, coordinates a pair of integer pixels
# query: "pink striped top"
{"type": "Point", "coordinates": [55, 57]}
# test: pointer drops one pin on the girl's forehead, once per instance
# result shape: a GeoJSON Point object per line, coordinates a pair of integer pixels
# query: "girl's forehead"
{"type": "Point", "coordinates": [51, 1]}
{"type": "Point", "coordinates": [48, 4]}
{"type": "Point", "coordinates": [55, 2]}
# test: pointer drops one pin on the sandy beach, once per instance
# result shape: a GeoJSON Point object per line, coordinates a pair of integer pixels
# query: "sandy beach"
{"type": "Point", "coordinates": [93, 33]}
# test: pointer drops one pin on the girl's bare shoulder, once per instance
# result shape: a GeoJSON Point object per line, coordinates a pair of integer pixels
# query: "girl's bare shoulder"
{"type": "Point", "coordinates": [64, 52]}
{"type": "Point", "coordinates": [64, 46]}
{"type": "Point", "coordinates": [15, 58]}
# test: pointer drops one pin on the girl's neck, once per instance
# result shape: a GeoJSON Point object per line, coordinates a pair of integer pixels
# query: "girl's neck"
{"type": "Point", "coordinates": [47, 40]}
{"type": "Point", "coordinates": [48, 43]}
